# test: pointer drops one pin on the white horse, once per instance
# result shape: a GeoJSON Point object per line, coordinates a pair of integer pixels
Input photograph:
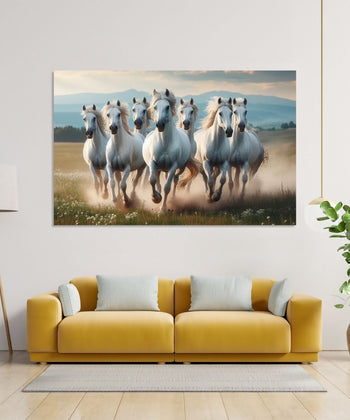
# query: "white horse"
{"type": "Point", "coordinates": [94, 151]}
{"type": "Point", "coordinates": [141, 118]}
{"type": "Point", "coordinates": [213, 147]}
{"type": "Point", "coordinates": [246, 151]}
{"type": "Point", "coordinates": [167, 148]}
{"type": "Point", "coordinates": [124, 149]}
{"type": "Point", "coordinates": [140, 115]}
{"type": "Point", "coordinates": [187, 114]}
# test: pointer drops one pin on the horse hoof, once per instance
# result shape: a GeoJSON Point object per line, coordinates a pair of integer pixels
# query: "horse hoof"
{"type": "Point", "coordinates": [156, 198]}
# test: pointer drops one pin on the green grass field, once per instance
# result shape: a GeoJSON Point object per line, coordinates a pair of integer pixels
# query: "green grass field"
{"type": "Point", "coordinates": [270, 199]}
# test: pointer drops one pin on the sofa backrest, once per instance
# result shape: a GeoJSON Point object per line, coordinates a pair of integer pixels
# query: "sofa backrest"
{"type": "Point", "coordinates": [87, 287]}
{"type": "Point", "coordinates": [260, 294]}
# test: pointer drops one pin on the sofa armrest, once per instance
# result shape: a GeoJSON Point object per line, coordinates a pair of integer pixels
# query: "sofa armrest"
{"type": "Point", "coordinates": [44, 313]}
{"type": "Point", "coordinates": [304, 314]}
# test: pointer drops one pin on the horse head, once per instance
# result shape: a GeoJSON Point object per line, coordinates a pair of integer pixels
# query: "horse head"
{"type": "Point", "coordinates": [224, 115]}
{"type": "Point", "coordinates": [187, 113]}
{"type": "Point", "coordinates": [240, 113]}
{"type": "Point", "coordinates": [113, 116]}
{"type": "Point", "coordinates": [163, 108]}
{"type": "Point", "coordinates": [90, 115]}
{"type": "Point", "coordinates": [139, 111]}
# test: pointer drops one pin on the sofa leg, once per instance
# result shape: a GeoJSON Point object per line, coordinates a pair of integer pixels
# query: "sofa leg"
{"type": "Point", "coordinates": [161, 363]}
{"type": "Point", "coordinates": [187, 363]}
{"type": "Point", "coordinates": [43, 363]}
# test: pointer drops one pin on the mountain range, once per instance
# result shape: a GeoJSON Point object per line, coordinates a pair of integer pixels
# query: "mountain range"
{"type": "Point", "coordinates": [263, 111]}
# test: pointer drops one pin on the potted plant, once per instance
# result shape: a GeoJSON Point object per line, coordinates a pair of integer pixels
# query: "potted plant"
{"type": "Point", "coordinates": [339, 215]}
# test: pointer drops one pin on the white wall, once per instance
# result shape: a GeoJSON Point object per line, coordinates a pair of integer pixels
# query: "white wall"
{"type": "Point", "coordinates": [41, 36]}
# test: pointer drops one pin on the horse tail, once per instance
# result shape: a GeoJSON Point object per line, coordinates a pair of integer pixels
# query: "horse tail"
{"type": "Point", "coordinates": [194, 167]}
{"type": "Point", "coordinates": [264, 157]}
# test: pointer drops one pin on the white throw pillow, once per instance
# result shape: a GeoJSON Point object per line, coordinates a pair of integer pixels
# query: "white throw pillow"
{"type": "Point", "coordinates": [280, 294]}
{"type": "Point", "coordinates": [229, 293]}
{"type": "Point", "coordinates": [127, 293]}
{"type": "Point", "coordinates": [70, 299]}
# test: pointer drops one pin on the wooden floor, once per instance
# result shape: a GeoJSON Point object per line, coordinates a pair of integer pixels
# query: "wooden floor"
{"type": "Point", "coordinates": [332, 371]}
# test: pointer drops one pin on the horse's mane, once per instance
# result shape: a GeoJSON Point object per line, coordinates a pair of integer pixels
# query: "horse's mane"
{"type": "Point", "coordinates": [100, 120]}
{"type": "Point", "coordinates": [162, 95]}
{"type": "Point", "coordinates": [123, 108]}
{"type": "Point", "coordinates": [185, 105]}
{"type": "Point", "coordinates": [212, 109]}
{"type": "Point", "coordinates": [146, 105]}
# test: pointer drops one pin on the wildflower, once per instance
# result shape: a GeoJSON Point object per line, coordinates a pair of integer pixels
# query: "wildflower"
{"type": "Point", "coordinates": [131, 216]}
{"type": "Point", "coordinates": [247, 213]}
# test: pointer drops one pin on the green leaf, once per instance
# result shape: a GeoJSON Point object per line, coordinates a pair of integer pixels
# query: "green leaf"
{"type": "Point", "coordinates": [346, 217]}
{"type": "Point", "coordinates": [348, 272]}
{"type": "Point", "coordinates": [325, 205]}
{"type": "Point", "coordinates": [331, 213]}
{"type": "Point", "coordinates": [338, 206]}
{"type": "Point", "coordinates": [342, 287]}
{"type": "Point", "coordinates": [320, 219]}
{"type": "Point", "coordinates": [342, 247]}
{"type": "Point", "coordinates": [339, 306]}
{"type": "Point", "coordinates": [346, 254]}
{"type": "Point", "coordinates": [341, 227]}
{"type": "Point", "coordinates": [346, 289]}
{"type": "Point", "coordinates": [338, 236]}
{"type": "Point", "coordinates": [346, 208]}
{"type": "Point", "coordinates": [337, 229]}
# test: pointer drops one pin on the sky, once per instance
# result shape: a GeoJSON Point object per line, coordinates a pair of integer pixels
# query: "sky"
{"type": "Point", "coordinates": [182, 83]}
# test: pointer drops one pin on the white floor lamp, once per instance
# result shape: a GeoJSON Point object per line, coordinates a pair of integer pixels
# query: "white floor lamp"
{"type": "Point", "coordinates": [8, 203]}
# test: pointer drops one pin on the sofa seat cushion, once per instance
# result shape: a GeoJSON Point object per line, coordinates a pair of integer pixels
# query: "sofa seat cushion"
{"type": "Point", "coordinates": [117, 332]}
{"type": "Point", "coordinates": [231, 332]}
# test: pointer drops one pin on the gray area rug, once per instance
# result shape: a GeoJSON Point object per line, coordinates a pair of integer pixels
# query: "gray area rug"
{"type": "Point", "coordinates": [178, 377]}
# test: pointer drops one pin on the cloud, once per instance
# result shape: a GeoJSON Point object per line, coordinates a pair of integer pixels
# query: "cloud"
{"type": "Point", "coordinates": [276, 83]}
{"type": "Point", "coordinates": [238, 76]}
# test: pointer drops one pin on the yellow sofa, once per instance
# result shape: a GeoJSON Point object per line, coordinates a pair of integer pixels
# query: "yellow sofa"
{"type": "Point", "coordinates": [101, 336]}
{"type": "Point", "coordinates": [247, 336]}
{"type": "Point", "coordinates": [173, 333]}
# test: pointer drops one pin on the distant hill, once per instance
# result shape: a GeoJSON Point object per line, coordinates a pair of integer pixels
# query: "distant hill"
{"type": "Point", "coordinates": [263, 111]}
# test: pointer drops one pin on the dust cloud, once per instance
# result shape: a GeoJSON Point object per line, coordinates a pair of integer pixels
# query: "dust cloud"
{"type": "Point", "coordinates": [276, 176]}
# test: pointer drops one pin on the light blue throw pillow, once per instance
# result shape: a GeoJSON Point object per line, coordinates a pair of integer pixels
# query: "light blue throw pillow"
{"type": "Point", "coordinates": [116, 293]}
{"type": "Point", "coordinates": [70, 299]}
{"type": "Point", "coordinates": [228, 293]}
{"type": "Point", "coordinates": [279, 297]}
